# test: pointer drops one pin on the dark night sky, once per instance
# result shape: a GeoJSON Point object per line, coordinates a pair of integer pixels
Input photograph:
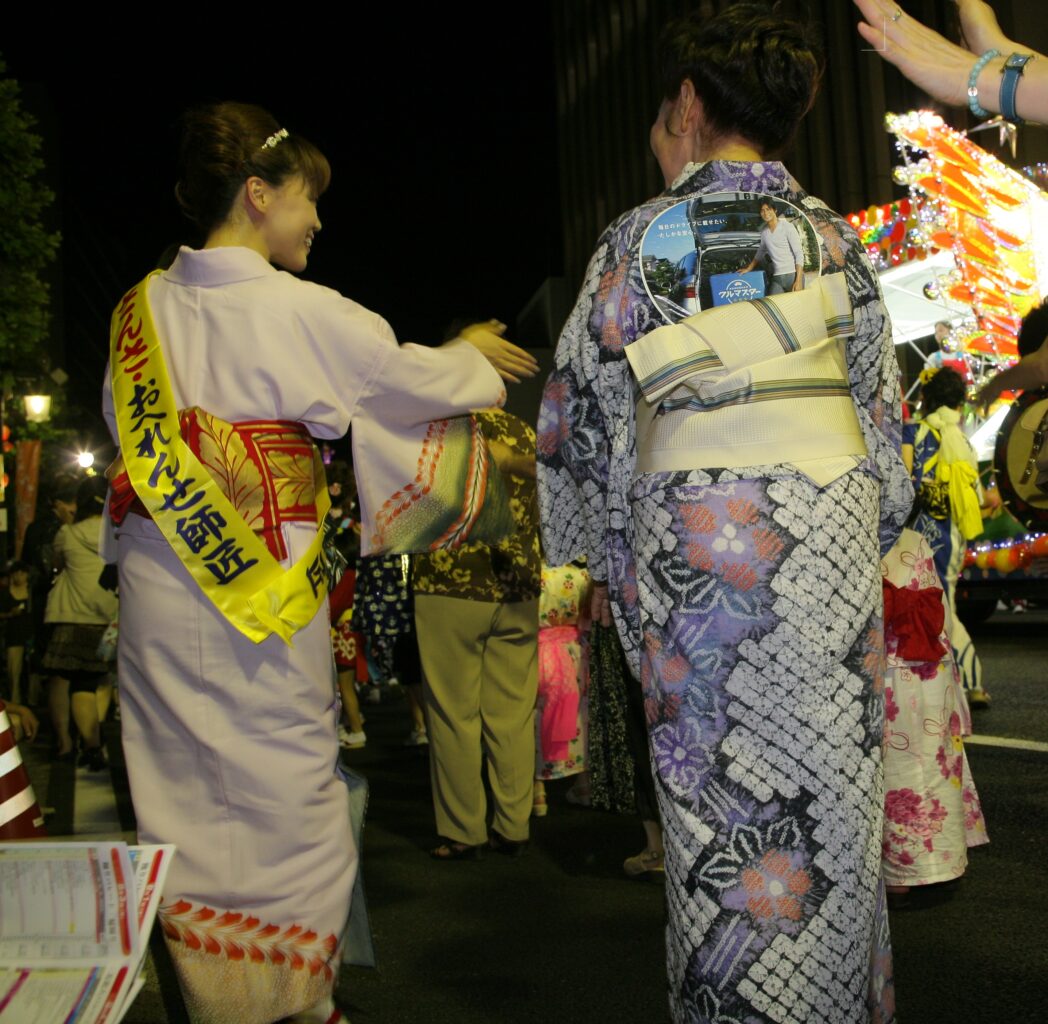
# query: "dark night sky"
{"type": "Point", "coordinates": [439, 127]}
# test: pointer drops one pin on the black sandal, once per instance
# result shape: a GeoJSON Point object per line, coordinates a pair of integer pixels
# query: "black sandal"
{"type": "Point", "coordinates": [456, 851]}
{"type": "Point", "coordinates": [509, 847]}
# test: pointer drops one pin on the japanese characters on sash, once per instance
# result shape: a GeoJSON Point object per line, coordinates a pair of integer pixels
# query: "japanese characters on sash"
{"type": "Point", "coordinates": [223, 367]}
{"type": "Point", "coordinates": [229, 562]}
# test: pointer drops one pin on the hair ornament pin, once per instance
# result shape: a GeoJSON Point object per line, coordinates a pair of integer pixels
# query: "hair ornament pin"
{"type": "Point", "coordinates": [927, 373]}
{"type": "Point", "coordinates": [275, 139]}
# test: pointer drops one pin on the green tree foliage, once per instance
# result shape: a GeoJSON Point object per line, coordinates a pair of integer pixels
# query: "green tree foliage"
{"type": "Point", "coordinates": [26, 247]}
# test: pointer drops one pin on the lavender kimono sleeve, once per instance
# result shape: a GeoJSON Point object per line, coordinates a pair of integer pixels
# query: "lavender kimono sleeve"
{"type": "Point", "coordinates": [572, 443]}
{"type": "Point", "coordinates": [401, 446]}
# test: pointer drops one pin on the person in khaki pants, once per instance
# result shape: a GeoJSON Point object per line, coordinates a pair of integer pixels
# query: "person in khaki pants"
{"type": "Point", "coordinates": [476, 617]}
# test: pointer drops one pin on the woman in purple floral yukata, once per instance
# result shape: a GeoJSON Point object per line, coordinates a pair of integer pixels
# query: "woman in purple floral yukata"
{"type": "Point", "coordinates": [732, 480]}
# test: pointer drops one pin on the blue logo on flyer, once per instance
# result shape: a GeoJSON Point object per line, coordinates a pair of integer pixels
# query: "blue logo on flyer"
{"type": "Point", "coordinates": [728, 288]}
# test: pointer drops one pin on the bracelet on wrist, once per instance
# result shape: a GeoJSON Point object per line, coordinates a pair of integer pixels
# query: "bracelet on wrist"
{"type": "Point", "coordinates": [1013, 70]}
{"type": "Point", "coordinates": [973, 83]}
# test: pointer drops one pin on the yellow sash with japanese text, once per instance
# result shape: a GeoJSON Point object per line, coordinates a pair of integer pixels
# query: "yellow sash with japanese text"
{"type": "Point", "coordinates": [230, 563]}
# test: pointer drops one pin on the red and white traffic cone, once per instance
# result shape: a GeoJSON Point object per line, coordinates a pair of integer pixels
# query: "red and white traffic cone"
{"type": "Point", "coordinates": [20, 814]}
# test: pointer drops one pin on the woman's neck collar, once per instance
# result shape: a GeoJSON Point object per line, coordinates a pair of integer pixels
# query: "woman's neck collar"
{"type": "Point", "coordinates": [241, 235]}
{"type": "Point", "coordinates": [694, 166]}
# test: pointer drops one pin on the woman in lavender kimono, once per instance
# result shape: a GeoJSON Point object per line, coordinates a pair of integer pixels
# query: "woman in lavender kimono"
{"type": "Point", "coordinates": [744, 575]}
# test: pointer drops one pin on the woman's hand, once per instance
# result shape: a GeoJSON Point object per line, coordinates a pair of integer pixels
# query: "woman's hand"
{"type": "Point", "coordinates": [935, 64]}
{"type": "Point", "coordinates": [510, 362]}
{"type": "Point", "coordinates": [991, 502]}
{"type": "Point", "coordinates": [26, 719]}
{"type": "Point", "coordinates": [980, 28]}
{"type": "Point", "coordinates": [600, 605]}
{"type": "Point", "coordinates": [1030, 372]}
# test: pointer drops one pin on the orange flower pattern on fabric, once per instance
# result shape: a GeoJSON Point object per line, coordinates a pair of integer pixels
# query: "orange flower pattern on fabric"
{"type": "Point", "coordinates": [768, 876]}
{"type": "Point", "coordinates": [237, 936]}
{"type": "Point", "coordinates": [698, 518]}
{"type": "Point", "coordinates": [743, 511]}
{"type": "Point", "coordinates": [775, 887]}
{"type": "Point", "coordinates": [699, 556]}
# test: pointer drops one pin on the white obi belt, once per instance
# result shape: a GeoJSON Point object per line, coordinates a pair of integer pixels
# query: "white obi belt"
{"type": "Point", "coordinates": [751, 384]}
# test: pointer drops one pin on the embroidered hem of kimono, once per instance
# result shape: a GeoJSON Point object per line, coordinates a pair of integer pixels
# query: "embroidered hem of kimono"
{"type": "Point", "coordinates": [932, 810]}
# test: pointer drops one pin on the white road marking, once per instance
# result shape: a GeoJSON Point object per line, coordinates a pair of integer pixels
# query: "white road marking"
{"type": "Point", "coordinates": [1006, 741]}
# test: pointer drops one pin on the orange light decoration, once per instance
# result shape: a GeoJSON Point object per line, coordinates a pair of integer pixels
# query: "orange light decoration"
{"type": "Point", "coordinates": [966, 201]}
{"type": "Point", "coordinates": [1002, 237]}
{"type": "Point", "coordinates": [1005, 556]}
{"type": "Point", "coordinates": [1003, 324]}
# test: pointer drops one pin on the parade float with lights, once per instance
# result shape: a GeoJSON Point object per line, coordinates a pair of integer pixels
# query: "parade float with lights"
{"type": "Point", "coordinates": [963, 257]}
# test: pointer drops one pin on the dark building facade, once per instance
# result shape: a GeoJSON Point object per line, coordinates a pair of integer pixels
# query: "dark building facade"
{"type": "Point", "coordinates": [607, 97]}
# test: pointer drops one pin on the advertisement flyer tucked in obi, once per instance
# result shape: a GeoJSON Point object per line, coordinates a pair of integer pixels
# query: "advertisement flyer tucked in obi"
{"type": "Point", "coordinates": [74, 920]}
{"type": "Point", "coordinates": [725, 247]}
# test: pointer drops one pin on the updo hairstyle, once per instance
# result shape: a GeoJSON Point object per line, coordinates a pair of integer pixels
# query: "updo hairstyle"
{"type": "Point", "coordinates": [756, 72]}
{"type": "Point", "coordinates": [224, 144]}
{"type": "Point", "coordinates": [946, 387]}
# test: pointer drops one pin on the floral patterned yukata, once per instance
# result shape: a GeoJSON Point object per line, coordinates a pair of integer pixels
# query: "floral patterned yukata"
{"type": "Point", "coordinates": [561, 713]}
{"type": "Point", "coordinates": [932, 813]}
{"type": "Point", "coordinates": [749, 604]}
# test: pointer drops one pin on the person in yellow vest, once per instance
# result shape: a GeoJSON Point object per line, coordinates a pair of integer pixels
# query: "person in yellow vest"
{"type": "Point", "coordinates": [221, 368]}
{"type": "Point", "coordinates": [945, 475]}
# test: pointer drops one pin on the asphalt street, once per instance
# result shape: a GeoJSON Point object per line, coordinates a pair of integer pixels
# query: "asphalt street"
{"type": "Point", "coordinates": [561, 933]}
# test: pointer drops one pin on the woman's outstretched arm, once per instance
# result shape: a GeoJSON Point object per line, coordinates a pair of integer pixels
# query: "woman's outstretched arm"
{"type": "Point", "coordinates": [942, 68]}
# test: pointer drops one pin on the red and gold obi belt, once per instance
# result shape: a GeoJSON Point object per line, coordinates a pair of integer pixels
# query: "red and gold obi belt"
{"type": "Point", "coordinates": [268, 469]}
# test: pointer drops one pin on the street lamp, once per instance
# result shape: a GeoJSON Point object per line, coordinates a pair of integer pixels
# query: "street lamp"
{"type": "Point", "coordinates": [37, 408]}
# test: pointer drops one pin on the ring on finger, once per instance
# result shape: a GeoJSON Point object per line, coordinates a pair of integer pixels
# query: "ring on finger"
{"type": "Point", "coordinates": [898, 14]}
